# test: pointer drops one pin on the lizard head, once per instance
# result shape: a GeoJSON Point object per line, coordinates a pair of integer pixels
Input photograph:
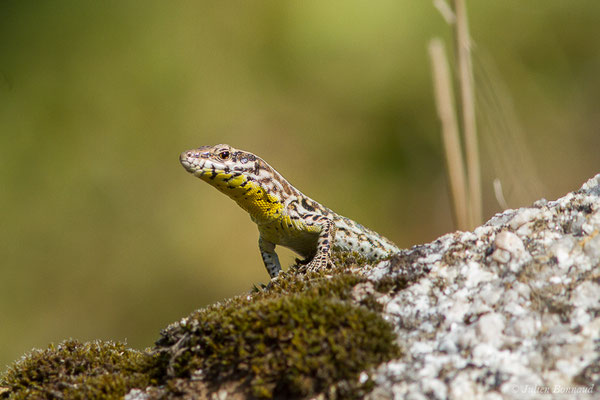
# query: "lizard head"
{"type": "Point", "coordinates": [244, 177]}
{"type": "Point", "coordinates": [210, 162]}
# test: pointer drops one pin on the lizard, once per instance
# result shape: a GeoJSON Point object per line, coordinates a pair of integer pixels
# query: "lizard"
{"type": "Point", "coordinates": [284, 215]}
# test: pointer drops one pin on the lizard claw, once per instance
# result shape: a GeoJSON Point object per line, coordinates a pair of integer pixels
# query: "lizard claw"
{"type": "Point", "coordinates": [302, 261]}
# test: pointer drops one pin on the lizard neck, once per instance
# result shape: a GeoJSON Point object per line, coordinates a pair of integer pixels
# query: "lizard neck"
{"type": "Point", "coordinates": [261, 194]}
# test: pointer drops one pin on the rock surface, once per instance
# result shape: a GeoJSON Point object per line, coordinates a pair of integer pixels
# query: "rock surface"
{"type": "Point", "coordinates": [511, 310]}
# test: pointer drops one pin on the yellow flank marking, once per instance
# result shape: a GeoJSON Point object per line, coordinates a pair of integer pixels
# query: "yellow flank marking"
{"type": "Point", "coordinates": [251, 197]}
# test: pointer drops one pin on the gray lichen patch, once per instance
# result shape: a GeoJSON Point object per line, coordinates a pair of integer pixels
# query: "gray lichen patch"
{"type": "Point", "coordinates": [511, 310]}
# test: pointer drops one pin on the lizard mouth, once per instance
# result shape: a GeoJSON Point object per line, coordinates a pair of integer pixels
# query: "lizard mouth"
{"type": "Point", "coordinates": [191, 161]}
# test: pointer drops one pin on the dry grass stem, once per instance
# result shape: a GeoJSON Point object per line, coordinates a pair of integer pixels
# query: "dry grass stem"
{"type": "Point", "coordinates": [465, 77]}
{"type": "Point", "coordinates": [446, 109]}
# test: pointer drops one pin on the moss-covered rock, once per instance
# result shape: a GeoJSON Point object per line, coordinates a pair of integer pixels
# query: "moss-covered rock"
{"type": "Point", "coordinates": [298, 337]}
{"type": "Point", "coordinates": [301, 335]}
{"type": "Point", "coordinates": [510, 306]}
{"type": "Point", "coordinates": [74, 370]}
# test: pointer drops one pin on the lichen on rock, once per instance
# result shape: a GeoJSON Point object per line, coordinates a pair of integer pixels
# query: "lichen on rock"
{"type": "Point", "coordinates": [511, 310]}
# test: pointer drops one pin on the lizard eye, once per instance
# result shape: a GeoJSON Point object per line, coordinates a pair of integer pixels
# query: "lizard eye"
{"type": "Point", "coordinates": [224, 155]}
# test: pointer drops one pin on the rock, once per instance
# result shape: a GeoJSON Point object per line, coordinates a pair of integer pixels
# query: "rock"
{"type": "Point", "coordinates": [510, 310]}
{"type": "Point", "coordinates": [516, 306]}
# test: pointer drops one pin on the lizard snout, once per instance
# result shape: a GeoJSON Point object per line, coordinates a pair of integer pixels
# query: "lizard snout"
{"type": "Point", "coordinates": [189, 160]}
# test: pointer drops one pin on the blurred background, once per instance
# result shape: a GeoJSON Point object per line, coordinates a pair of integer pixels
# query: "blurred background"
{"type": "Point", "coordinates": [103, 235]}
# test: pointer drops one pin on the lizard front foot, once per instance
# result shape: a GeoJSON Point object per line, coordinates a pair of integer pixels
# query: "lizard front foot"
{"type": "Point", "coordinates": [318, 263]}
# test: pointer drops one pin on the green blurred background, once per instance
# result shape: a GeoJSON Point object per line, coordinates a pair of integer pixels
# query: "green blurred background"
{"type": "Point", "coordinates": [103, 235]}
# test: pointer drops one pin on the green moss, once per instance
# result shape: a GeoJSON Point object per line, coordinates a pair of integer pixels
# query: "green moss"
{"type": "Point", "coordinates": [74, 370]}
{"type": "Point", "coordinates": [298, 337]}
{"type": "Point", "coordinates": [346, 259]}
